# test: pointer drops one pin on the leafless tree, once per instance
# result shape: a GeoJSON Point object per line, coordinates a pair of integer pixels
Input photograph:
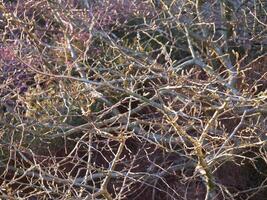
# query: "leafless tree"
{"type": "Point", "coordinates": [119, 99]}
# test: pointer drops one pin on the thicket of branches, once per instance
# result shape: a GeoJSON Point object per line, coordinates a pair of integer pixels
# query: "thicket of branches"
{"type": "Point", "coordinates": [120, 99]}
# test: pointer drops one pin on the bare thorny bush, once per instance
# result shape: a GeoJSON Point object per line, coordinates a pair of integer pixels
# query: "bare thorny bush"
{"type": "Point", "coordinates": [133, 99]}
